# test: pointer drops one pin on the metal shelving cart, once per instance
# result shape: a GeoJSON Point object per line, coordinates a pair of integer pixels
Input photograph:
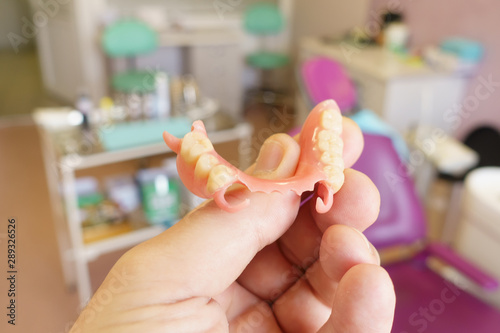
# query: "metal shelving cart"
{"type": "Point", "coordinates": [60, 172]}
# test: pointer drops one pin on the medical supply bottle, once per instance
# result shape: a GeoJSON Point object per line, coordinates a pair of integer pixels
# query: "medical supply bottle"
{"type": "Point", "coordinates": [160, 192]}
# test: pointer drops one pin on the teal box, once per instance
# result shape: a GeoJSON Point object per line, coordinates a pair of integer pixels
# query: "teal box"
{"type": "Point", "coordinates": [141, 133]}
{"type": "Point", "coordinates": [465, 49]}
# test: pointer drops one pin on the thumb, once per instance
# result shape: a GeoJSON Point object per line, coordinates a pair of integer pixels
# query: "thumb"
{"type": "Point", "coordinates": [208, 249]}
{"type": "Point", "coordinates": [364, 302]}
{"type": "Point", "coordinates": [278, 158]}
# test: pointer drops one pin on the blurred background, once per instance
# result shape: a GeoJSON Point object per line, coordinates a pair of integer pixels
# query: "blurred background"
{"type": "Point", "coordinates": [87, 88]}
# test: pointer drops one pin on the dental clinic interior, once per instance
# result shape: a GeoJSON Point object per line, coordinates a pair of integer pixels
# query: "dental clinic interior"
{"type": "Point", "coordinates": [88, 87]}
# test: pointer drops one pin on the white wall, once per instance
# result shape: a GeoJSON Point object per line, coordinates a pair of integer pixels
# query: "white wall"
{"type": "Point", "coordinates": [11, 12]}
{"type": "Point", "coordinates": [327, 17]}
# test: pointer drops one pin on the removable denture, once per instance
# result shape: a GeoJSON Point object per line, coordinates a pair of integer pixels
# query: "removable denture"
{"type": "Point", "coordinates": [206, 174]}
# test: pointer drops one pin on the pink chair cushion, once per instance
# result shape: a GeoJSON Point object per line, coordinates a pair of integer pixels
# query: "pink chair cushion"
{"type": "Point", "coordinates": [326, 79]}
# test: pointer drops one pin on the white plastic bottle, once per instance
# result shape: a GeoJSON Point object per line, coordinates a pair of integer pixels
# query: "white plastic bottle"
{"type": "Point", "coordinates": [162, 95]}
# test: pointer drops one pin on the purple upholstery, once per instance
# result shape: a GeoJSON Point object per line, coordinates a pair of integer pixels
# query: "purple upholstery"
{"type": "Point", "coordinates": [446, 254]}
{"type": "Point", "coordinates": [325, 79]}
{"type": "Point", "coordinates": [425, 302]}
{"type": "Point", "coordinates": [401, 219]}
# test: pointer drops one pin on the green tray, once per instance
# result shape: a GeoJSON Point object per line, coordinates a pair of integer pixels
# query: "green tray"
{"type": "Point", "coordinates": [141, 133]}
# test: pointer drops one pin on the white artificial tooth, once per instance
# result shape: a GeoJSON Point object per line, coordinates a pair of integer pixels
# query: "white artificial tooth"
{"type": "Point", "coordinates": [333, 169]}
{"type": "Point", "coordinates": [219, 176]}
{"type": "Point", "coordinates": [205, 163]}
{"type": "Point", "coordinates": [329, 171]}
{"type": "Point", "coordinates": [323, 145]}
{"type": "Point", "coordinates": [327, 141]}
{"type": "Point", "coordinates": [335, 177]}
{"type": "Point", "coordinates": [337, 149]}
{"type": "Point", "coordinates": [338, 164]}
{"type": "Point", "coordinates": [336, 182]}
{"type": "Point", "coordinates": [325, 135]}
{"type": "Point", "coordinates": [327, 157]}
{"type": "Point", "coordinates": [327, 120]}
{"type": "Point", "coordinates": [194, 145]}
{"type": "Point", "coordinates": [331, 120]}
{"type": "Point", "coordinates": [337, 128]}
{"type": "Point", "coordinates": [196, 151]}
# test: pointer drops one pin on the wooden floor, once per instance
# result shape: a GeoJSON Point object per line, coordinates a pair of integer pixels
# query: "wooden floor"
{"type": "Point", "coordinates": [43, 303]}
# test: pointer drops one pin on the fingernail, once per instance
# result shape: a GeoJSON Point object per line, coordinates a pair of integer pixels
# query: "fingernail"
{"type": "Point", "coordinates": [270, 156]}
{"type": "Point", "coordinates": [364, 239]}
{"type": "Point", "coordinates": [371, 248]}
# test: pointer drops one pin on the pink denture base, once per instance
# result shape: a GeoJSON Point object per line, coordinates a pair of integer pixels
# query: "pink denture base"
{"type": "Point", "coordinates": [309, 169]}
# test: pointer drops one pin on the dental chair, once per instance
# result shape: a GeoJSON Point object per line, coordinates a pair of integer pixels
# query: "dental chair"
{"type": "Point", "coordinates": [323, 78]}
{"type": "Point", "coordinates": [425, 300]}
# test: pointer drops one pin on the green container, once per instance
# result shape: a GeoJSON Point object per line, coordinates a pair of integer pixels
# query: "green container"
{"type": "Point", "coordinates": [161, 197]}
{"type": "Point", "coordinates": [140, 133]}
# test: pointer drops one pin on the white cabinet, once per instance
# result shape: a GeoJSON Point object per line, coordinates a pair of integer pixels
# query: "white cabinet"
{"type": "Point", "coordinates": [70, 57]}
{"type": "Point", "coordinates": [219, 74]}
{"type": "Point", "coordinates": [402, 93]}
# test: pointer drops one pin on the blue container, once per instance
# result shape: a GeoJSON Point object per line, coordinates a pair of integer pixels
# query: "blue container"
{"type": "Point", "coordinates": [465, 49]}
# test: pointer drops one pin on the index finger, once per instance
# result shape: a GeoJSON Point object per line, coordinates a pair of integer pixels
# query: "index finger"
{"type": "Point", "coordinates": [209, 248]}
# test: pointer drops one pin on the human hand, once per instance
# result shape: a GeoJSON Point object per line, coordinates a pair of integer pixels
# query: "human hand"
{"type": "Point", "coordinates": [270, 267]}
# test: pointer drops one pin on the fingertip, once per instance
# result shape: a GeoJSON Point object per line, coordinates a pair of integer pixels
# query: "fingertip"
{"type": "Point", "coordinates": [342, 248]}
{"type": "Point", "coordinates": [372, 279]}
{"type": "Point", "coordinates": [364, 301]}
{"type": "Point", "coordinates": [353, 141]}
{"type": "Point", "coordinates": [363, 191]}
{"type": "Point", "coordinates": [356, 204]}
